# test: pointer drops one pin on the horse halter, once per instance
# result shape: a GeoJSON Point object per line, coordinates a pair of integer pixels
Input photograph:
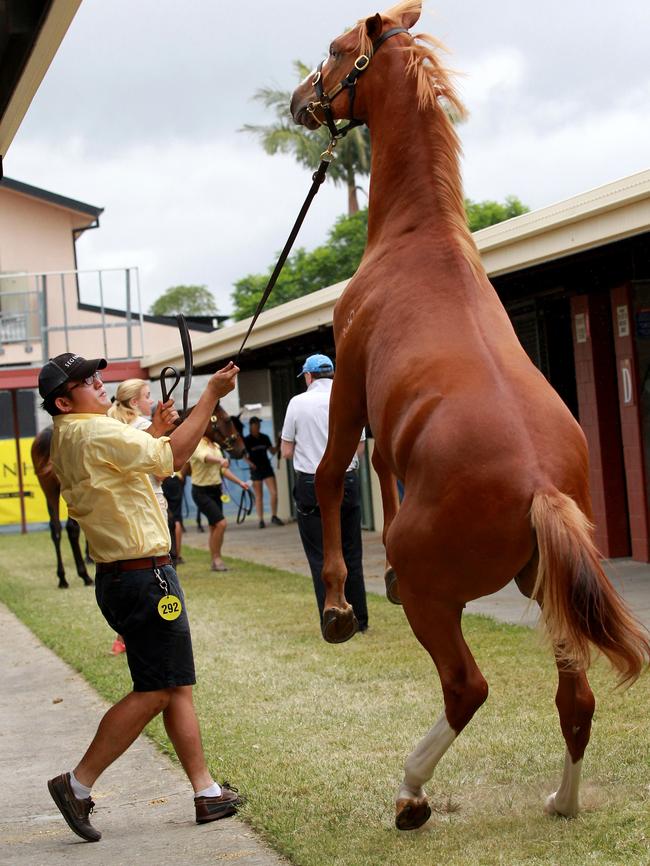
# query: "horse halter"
{"type": "Point", "coordinates": [349, 82]}
{"type": "Point", "coordinates": [227, 442]}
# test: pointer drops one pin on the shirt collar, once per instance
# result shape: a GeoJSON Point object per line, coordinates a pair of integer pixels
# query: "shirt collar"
{"type": "Point", "coordinates": [69, 417]}
{"type": "Point", "coordinates": [322, 384]}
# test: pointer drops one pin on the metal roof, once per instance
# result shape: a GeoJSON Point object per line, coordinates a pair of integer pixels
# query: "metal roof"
{"type": "Point", "coordinates": [30, 36]}
{"type": "Point", "coordinates": [51, 197]}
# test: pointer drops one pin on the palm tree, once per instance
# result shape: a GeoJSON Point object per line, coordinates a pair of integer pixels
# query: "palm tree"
{"type": "Point", "coordinates": [284, 136]}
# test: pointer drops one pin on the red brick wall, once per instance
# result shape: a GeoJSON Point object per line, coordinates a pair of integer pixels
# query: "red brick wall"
{"type": "Point", "coordinates": [630, 421]}
{"type": "Point", "coordinates": [598, 407]}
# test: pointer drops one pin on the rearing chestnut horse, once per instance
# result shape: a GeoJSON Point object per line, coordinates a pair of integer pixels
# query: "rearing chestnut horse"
{"type": "Point", "coordinates": [495, 467]}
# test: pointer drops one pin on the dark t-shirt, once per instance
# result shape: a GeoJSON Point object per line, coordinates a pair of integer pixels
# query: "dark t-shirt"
{"type": "Point", "coordinates": [256, 447]}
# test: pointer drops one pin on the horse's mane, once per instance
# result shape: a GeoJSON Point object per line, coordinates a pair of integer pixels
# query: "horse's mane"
{"type": "Point", "coordinates": [437, 93]}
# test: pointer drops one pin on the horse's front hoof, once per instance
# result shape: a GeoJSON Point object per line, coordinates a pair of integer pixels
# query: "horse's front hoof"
{"type": "Point", "coordinates": [339, 625]}
{"type": "Point", "coordinates": [411, 814]}
{"type": "Point", "coordinates": [392, 586]}
{"type": "Point", "coordinates": [63, 583]}
{"type": "Point", "coordinates": [88, 581]}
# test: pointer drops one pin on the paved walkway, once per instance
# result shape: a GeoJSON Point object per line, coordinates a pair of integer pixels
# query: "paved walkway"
{"type": "Point", "coordinates": [144, 808]}
{"type": "Point", "coordinates": [280, 547]}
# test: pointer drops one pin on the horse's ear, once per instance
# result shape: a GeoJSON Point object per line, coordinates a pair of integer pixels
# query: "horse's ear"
{"type": "Point", "coordinates": [412, 16]}
{"type": "Point", "coordinates": [373, 26]}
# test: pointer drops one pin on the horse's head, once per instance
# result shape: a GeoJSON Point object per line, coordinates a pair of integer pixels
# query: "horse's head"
{"type": "Point", "coordinates": [321, 98]}
{"type": "Point", "coordinates": [223, 430]}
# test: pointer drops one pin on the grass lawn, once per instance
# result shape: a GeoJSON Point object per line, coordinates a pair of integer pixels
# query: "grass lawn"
{"type": "Point", "coordinates": [316, 735]}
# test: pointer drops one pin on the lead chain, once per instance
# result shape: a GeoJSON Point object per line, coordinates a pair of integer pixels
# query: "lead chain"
{"type": "Point", "coordinates": [161, 581]}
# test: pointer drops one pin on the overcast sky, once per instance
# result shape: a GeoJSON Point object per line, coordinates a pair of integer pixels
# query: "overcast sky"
{"type": "Point", "coordinates": [140, 110]}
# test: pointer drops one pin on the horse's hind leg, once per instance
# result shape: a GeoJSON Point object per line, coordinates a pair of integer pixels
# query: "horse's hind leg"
{"type": "Point", "coordinates": [575, 703]}
{"type": "Point", "coordinates": [55, 534]}
{"type": "Point", "coordinates": [390, 503]}
{"type": "Point", "coordinates": [74, 532]}
{"type": "Point", "coordinates": [437, 627]}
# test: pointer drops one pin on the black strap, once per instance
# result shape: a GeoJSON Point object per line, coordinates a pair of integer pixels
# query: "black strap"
{"type": "Point", "coordinates": [317, 179]}
{"type": "Point", "coordinates": [245, 505]}
{"type": "Point", "coordinates": [186, 342]}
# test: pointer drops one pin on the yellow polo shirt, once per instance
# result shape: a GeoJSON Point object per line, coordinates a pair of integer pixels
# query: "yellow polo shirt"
{"type": "Point", "coordinates": [103, 466]}
{"type": "Point", "coordinates": [205, 474]}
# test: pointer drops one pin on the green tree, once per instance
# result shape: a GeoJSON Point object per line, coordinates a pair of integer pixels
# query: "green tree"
{"type": "Point", "coordinates": [284, 136]}
{"type": "Point", "coordinates": [306, 272]}
{"type": "Point", "coordinates": [337, 259]}
{"type": "Point", "coordinates": [190, 300]}
{"type": "Point", "coordinates": [481, 214]}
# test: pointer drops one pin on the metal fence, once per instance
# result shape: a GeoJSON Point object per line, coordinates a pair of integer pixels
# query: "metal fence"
{"type": "Point", "coordinates": [39, 309]}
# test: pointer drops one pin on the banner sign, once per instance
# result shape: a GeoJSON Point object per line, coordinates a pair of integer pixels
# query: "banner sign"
{"type": "Point", "coordinates": [35, 504]}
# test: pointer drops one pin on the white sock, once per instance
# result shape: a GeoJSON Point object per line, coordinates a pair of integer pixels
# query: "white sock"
{"type": "Point", "coordinates": [213, 791]}
{"type": "Point", "coordinates": [80, 791]}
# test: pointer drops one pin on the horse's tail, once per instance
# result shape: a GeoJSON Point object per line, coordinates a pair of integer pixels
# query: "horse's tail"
{"type": "Point", "coordinates": [580, 606]}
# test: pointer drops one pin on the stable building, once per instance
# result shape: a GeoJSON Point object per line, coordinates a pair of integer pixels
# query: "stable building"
{"type": "Point", "coordinates": [575, 280]}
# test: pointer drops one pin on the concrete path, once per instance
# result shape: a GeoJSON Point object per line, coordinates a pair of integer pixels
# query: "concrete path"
{"type": "Point", "coordinates": [280, 547]}
{"type": "Point", "coordinates": [144, 808]}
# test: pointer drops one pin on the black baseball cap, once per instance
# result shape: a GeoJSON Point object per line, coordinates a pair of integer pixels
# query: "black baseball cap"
{"type": "Point", "coordinates": [254, 420]}
{"type": "Point", "coordinates": [66, 368]}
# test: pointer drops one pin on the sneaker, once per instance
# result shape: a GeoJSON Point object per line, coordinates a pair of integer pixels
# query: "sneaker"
{"type": "Point", "coordinates": [213, 808]}
{"type": "Point", "coordinates": [118, 647]}
{"type": "Point", "coordinates": [261, 524]}
{"type": "Point", "coordinates": [275, 520]}
{"type": "Point", "coordinates": [74, 811]}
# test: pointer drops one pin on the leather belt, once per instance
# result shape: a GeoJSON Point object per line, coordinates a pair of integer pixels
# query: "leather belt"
{"type": "Point", "coordinates": [133, 564]}
{"type": "Point", "coordinates": [313, 475]}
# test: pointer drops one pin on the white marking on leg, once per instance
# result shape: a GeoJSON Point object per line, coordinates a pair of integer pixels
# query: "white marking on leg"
{"type": "Point", "coordinates": [565, 800]}
{"type": "Point", "coordinates": [422, 761]}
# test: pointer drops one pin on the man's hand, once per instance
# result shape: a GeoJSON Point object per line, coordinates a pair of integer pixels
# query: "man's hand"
{"type": "Point", "coordinates": [223, 381]}
{"type": "Point", "coordinates": [163, 419]}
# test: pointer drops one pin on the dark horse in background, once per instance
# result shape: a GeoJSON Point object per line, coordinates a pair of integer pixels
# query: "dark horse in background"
{"type": "Point", "coordinates": [52, 489]}
{"type": "Point", "coordinates": [227, 430]}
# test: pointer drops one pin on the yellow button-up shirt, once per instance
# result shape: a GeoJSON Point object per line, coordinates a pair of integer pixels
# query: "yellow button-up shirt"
{"type": "Point", "coordinates": [205, 474]}
{"type": "Point", "coordinates": [103, 467]}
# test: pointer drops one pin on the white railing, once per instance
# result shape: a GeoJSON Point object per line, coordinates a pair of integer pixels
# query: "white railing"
{"type": "Point", "coordinates": [48, 310]}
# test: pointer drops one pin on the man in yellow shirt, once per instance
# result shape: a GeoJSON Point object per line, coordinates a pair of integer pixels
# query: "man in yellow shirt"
{"type": "Point", "coordinates": [103, 467]}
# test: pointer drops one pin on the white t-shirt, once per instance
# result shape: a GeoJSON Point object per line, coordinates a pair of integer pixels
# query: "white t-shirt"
{"type": "Point", "coordinates": [306, 425]}
{"type": "Point", "coordinates": [143, 423]}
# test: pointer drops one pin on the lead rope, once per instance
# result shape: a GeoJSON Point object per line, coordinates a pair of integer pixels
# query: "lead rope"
{"type": "Point", "coordinates": [317, 179]}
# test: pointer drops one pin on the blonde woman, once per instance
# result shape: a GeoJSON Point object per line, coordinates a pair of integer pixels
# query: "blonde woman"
{"type": "Point", "coordinates": [208, 465]}
{"type": "Point", "coordinates": [133, 405]}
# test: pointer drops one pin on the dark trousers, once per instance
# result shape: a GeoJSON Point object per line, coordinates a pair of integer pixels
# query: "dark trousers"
{"type": "Point", "coordinates": [311, 535]}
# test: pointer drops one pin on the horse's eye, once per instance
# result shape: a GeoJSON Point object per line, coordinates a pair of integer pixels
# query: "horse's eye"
{"type": "Point", "coordinates": [333, 52]}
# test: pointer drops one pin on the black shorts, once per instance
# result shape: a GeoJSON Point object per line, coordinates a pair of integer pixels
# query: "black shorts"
{"type": "Point", "coordinates": [173, 490]}
{"type": "Point", "coordinates": [261, 474]}
{"type": "Point", "coordinates": [159, 651]}
{"type": "Point", "coordinates": [208, 500]}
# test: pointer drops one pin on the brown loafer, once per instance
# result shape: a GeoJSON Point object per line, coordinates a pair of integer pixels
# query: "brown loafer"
{"type": "Point", "coordinates": [213, 808]}
{"type": "Point", "coordinates": [74, 811]}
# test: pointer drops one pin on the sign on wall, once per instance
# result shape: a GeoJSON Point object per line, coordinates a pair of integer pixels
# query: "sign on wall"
{"type": "Point", "coordinates": [623, 320]}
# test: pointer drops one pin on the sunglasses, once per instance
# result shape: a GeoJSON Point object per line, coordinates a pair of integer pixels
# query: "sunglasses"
{"type": "Point", "coordinates": [89, 380]}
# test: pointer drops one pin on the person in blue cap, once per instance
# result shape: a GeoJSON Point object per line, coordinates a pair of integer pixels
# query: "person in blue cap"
{"type": "Point", "coordinates": [303, 439]}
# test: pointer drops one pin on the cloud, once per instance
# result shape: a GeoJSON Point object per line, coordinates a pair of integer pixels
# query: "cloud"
{"type": "Point", "coordinates": [144, 120]}
{"type": "Point", "coordinates": [206, 212]}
